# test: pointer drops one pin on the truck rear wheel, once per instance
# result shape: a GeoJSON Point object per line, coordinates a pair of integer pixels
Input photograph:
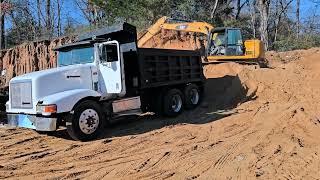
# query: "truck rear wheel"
{"type": "Point", "coordinates": [192, 96]}
{"type": "Point", "coordinates": [173, 103]}
{"type": "Point", "coordinates": [87, 121]}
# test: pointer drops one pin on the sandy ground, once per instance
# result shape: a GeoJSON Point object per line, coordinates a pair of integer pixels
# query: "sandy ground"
{"type": "Point", "coordinates": [253, 123]}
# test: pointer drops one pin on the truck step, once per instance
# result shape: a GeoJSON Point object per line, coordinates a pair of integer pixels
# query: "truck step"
{"type": "Point", "coordinates": [136, 112]}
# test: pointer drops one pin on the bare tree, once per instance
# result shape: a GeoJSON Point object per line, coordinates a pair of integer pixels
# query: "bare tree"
{"type": "Point", "coordinates": [22, 20]}
{"type": "Point", "coordinates": [39, 14]}
{"type": "Point", "coordinates": [90, 11]}
{"type": "Point", "coordinates": [32, 26]}
{"type": "Point", "coordinates": [48, 18]}
{"type": "Point", "coordinates": [59, 17]}
{"type": "Point", "coordinates": [2, 43]}
{"type": "Point", "coordinates": [298, 17]}
{"type": "Point", "coordinates": [253, 14]}
{"type": "Point", "coordinates": [240, 7]}
{"type": "Point", "coordinates": [219, 9]}
{"type": "Point", "coordinates": [5, 7]}
{"type": "Point", "coordinates": [69, 27]}
{"type": "Point", "coordinates": [263, 7]}
{"type": "Point", "coordinates": [281, 8]}
{"type": "Point", "coordinates": [214, 8]}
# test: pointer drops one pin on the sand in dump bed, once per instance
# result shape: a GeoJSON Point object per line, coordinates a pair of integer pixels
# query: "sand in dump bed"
{"type": "Point", "coordinates": [167, 39]}
{"type": "Point", "coordinates": [253, 123]}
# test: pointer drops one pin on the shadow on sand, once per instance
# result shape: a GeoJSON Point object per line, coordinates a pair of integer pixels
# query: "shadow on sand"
{"type": "Point", "coordinates": [221, 96]}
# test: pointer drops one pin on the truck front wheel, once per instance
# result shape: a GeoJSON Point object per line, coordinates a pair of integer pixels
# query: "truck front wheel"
{"type": "Point", "coordinates": [86, 122]}
{"type": "Point", "coordinates": [173, 103]}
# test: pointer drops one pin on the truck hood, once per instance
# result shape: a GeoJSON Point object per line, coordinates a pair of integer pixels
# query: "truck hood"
{"type": "Point", "coordinates": [51, 81]}
{"type": "Point", "coordinates": [66, 70]}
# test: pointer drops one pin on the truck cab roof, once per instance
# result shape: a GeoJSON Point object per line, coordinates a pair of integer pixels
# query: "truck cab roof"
{"type": "Point", "coordinates": [67, 47]}
{"type": "Point", "coordinates": [107, 32]}
{"type": "Point", "coordinates": [122, 32]}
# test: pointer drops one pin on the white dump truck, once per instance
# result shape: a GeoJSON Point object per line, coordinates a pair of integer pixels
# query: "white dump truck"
{"type": "Point", "coordinates": [102, 76]}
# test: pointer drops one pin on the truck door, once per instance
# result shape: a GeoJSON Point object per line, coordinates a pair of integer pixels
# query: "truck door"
{"type": "Point", "coordinates": [110, 68]}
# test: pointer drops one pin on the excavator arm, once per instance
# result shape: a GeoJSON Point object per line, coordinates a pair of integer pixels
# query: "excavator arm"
{"type": "Point", "coordinates": [177, 25]}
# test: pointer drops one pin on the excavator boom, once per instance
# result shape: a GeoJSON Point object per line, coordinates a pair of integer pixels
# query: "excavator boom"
{"type": "Point", "coordinates": [169, 24]}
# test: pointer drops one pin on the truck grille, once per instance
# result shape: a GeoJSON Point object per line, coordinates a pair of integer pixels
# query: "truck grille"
{"type": "Point", "coordinates": [21, 95]}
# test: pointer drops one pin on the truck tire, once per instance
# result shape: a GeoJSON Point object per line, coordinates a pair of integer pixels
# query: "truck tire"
{"type": "Point", "coordinates": [192, 96]}
{"type": "Point", "coordinates": [87, 121]}
{"type": "Point", "coordinates": [173, 103]}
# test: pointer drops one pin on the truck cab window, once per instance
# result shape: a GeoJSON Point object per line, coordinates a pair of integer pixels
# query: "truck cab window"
{"type": "Point", "coordinates": [109, 53]}
{"type": "Point", "coordinates": [78, 55]}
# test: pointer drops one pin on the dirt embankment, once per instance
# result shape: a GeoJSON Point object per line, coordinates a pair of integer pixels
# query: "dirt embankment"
{"type": "Point", "coordinates": [29, 57]}
{"type": "Point", "coordinates": [253, 123]}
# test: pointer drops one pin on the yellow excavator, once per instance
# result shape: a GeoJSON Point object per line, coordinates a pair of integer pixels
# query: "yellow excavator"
{"type": "Point", "coordinates": [224, 44]}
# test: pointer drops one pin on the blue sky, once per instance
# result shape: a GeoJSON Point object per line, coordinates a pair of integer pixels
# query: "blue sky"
{"type": "Point", "coordinates": [307, 7]}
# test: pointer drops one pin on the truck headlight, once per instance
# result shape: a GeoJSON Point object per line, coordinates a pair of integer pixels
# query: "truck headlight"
{"type": "Point", "coordinates": [46, 109]}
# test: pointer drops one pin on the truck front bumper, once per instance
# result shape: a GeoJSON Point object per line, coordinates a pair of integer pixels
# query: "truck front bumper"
{"type": "Point", "coordinates": [32, 122]}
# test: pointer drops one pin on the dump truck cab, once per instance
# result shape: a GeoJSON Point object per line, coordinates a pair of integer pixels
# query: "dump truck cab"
{"type": "Point", "coordinates": [106, 70]}
{"type": "Point", "coordinates": [89, 69]}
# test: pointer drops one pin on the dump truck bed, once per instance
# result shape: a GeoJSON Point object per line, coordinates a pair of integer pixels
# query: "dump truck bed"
{"type": "Point", "coordinates": [162, 67]}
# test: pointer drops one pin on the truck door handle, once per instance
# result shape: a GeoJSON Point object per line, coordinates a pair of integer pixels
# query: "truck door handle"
{"type": "Point", "coordinates": [73, 77]}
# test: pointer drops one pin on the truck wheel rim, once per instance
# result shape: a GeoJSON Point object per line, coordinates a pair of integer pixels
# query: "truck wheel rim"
{"type": "Point", "coordinates": [194, 96]}
{"type": "Point", "coordinates": [89, 121]}
{"type": "Point", "coordinates": [176, 103]}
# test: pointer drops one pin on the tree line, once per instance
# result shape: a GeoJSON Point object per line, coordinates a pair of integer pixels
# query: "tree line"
{"type": "Point", "coordinates": [278, 23]}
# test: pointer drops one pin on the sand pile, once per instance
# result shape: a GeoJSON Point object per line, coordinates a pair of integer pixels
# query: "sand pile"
{"type": "Point", "coordinates": [231, 84]}
{"type": "Point", "coordinates": [253, 123]}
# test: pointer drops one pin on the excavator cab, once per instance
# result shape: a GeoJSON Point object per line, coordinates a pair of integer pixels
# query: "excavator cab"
{"type": "Point", "coordinates": [225, 41]}
{"type": "Point", "coordinates": [226, 44]}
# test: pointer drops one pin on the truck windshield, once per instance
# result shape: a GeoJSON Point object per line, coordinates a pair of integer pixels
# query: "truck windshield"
{"type": "Point", "coordinates": [76, 56]}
